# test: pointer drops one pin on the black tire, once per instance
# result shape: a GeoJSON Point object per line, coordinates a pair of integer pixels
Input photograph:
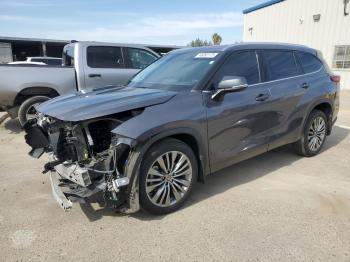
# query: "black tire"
{"type": "Point", "coordinates": [27, 104]}
{"type": "Point", "coordinates": [302, 147]}
{"type": "Point", "coordinates": [157, 150]}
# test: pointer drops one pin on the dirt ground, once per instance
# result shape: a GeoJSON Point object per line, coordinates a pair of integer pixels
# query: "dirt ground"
{"type": "Point", "coordinates": [275, 207]}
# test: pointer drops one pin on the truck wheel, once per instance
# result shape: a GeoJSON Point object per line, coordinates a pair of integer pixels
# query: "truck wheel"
{"type": "Point", "coordinates": [167, 174]}
{"type": "Point", "coordinates": [314, 135]}
{"type": "Point", "coordinates": [27, 110]}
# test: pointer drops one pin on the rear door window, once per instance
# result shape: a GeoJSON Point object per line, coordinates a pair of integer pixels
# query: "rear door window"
{"type": "Point", "coordinates": [242, 64]}
{"type": "Point", "coordinates": [279, 64]}
{"type": "Point", "coordinates": [309, 62]}
{"type": "Point", "coordinates": [139, 59]}
{"type": "Point", "coordinates": [105, 57]}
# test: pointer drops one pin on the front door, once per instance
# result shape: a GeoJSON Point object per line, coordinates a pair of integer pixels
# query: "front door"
{"type": "Point", "coordinates": [239, 123]}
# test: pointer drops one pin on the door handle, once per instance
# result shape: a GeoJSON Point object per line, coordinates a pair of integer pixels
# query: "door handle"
{"type": "Point", "coordinates": [262, 97]}
{"type": "Point", "coordinates": [305, 85]}
{"type": "Point", "coordinates": [94, 75]}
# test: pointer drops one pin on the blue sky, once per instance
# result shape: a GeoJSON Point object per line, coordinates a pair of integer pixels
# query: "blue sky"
{"type": "Point", "coordinates": [174, 22]}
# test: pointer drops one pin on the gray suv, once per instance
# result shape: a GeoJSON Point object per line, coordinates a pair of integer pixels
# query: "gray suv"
{"type": "Point", "coordinates": [187, 115]}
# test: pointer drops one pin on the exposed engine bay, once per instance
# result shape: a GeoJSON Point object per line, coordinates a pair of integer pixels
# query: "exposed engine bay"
{"type": "Point", "coordinates": [85, 158]}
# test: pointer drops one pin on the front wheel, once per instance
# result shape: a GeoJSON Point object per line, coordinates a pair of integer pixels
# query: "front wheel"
{"type": "Point", "coordinates": [167, 175]}
{"type": "Point", "coordinates": [27, 110]}
{"type": "Point", "coordinates": [314, 136]}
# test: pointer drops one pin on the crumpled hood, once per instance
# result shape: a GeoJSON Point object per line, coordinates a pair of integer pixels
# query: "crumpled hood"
{"type": "Point", "coordinates": [79, 106]}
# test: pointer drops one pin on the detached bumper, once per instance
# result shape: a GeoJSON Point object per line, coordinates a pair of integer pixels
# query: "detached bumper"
{"type": "Point", "coordinates": [71, 184]}
{"type": "Point", "coordinates": [68, 193]}
{"type": "Point", "coordinates": [60, 197]}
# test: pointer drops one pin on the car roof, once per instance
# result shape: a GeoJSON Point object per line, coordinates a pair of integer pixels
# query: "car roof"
{"type": "Point", "coordinates": [247, 45]}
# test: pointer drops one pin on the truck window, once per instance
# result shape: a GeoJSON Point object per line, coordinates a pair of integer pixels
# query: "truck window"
{"type": "Point", "coordinates": [139, 59]}
{"type": "Point", "coordinates": [54, 61]}
{"type": "Point", "coordinates": [309, 63]}
{"type": "Point", "coordinates": [279, 64]}
{"type": "Point", "coordinates": [38, 60]}
{"type": "Point", "coordinates": [68, 55]}
{"type": "Point", "coordinates": [104, 57]}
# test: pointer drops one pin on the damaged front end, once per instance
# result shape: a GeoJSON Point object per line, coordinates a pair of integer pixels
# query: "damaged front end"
{"type": "Point", "coordinates": [85, 159]}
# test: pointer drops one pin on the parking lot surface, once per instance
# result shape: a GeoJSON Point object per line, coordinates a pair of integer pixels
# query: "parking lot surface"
{"type": "Point", "coordinates": [274, 207]}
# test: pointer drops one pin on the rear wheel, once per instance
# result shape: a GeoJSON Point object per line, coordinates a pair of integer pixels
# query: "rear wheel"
{"type": "Point", "coordinates": [314, 136]}
{"type": "Point", "coordinates": [27, 110]}
{"type": "Point", "coordinates": [167, 176]}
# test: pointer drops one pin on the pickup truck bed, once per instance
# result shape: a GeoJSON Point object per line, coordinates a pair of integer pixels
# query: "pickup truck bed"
{"type": "Point", "coordinates": [16, 79]}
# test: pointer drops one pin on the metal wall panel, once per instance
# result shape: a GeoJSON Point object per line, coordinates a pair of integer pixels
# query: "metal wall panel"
{"type": "Point", "coordinates": [5, 53]}
{"type": "Point", "coordinates": [292, 21]}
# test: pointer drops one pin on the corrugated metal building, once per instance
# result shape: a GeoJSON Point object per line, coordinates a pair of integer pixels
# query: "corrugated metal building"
{"type": "Point", "coordinates": [321, 24]}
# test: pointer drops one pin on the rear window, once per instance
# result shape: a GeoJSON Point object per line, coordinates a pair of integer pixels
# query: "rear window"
{"type": "Point", "coordinates": [279, 64]}
{"type": "Point", "coordinates": [140, 59]}
{"type": "Point", "coordinates": [68, 55]}
{"type": "Point", "coordinates": [104, 57]}
{"type": "Point", "coordinates": [309, 62]}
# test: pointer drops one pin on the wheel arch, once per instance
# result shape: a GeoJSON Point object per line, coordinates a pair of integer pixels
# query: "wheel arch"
{"type": "Point", "coordinates": [28, 92]}
{"type": "Point", "coordinates": [193, 140]}
{"type": "Point", "coordinates": [186, 135]}
{"type": "Point", "coordinates": [326, 107]}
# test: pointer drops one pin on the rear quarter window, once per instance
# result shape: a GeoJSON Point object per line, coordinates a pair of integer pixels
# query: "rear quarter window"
{"type": "Point", "coordinates": [309, 62]}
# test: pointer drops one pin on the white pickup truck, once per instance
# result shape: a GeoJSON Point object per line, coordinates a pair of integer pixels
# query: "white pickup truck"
{"type": "Point", "coordinates": [86, 65]}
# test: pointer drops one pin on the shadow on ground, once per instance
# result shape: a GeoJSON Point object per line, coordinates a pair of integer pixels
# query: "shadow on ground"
{"type": "Point", "coordinates": [231, 177]}
{"type": "Point", "coordinates": [13, 126]}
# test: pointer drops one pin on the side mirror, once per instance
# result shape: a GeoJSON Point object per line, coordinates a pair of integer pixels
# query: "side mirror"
{"type": "Point", "coordinates": [230, 84]}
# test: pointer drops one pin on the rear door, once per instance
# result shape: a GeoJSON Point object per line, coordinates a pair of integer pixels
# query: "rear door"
{"type": "Point", "coordinates": [105, 65]}
{"type": "Point", "coordinates": [283, 76]}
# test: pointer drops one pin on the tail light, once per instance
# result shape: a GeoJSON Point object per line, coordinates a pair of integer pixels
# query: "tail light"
{"type": "Point", "coordinates": [335, 78]}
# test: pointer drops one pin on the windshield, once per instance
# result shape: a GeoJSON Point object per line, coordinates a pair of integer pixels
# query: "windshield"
{"type": "Point", "coordinates": [176, 71]}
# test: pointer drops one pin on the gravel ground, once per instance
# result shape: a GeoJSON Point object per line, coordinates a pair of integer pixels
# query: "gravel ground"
{"type": "Point", "coordinates": [275, 207]}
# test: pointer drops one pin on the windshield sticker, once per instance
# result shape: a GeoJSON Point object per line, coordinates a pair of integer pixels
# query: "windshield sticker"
{"type": "Point", "coordinates": [206, 55]}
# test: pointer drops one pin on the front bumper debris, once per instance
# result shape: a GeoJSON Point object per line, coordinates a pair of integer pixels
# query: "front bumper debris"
{"type": "Point", "coordinates": [62, 200]}
{"type": "Point", "coordinates": [74, 173]}
{"type": "Point", "coordinates": [82, 167]}
{"type": "Point", "coordinates": [71, 183]}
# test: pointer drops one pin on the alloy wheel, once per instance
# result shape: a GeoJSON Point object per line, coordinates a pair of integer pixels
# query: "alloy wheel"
{"type": "Point", "coordinates": [31, 111]}
{"type": "Point", "coordinates": [316, 134]}
{"type": "Point", "coordinates": [169, 178]}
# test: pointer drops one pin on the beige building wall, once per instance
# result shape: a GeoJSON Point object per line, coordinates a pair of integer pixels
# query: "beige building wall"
{"type": "Point", "coordinates": [291, 21]}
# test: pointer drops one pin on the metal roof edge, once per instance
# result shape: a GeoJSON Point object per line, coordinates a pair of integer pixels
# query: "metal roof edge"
{"type": "Point", "coordinates": [261, 6]}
